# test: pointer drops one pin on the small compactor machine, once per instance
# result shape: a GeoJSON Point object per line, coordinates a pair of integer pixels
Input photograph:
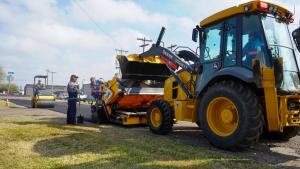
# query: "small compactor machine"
{"type": "Point", "coordinates": [42, 97]}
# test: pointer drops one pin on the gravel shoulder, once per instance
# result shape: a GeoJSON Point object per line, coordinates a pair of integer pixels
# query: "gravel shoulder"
{"type": "Point", "coordinates": [276, 153]}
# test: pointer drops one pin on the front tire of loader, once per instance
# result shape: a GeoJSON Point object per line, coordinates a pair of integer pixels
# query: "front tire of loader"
{"type": "Point", "coordinates": [230, 115]}
{"type": "Point", "coordinates": [160, 117]}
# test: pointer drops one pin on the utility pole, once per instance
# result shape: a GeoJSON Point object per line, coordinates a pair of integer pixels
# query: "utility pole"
{"type": "Point", "coordinates": [117, 64]}
{"type": "Point", "coordinates": [144, 42]}
{"type": "Point", "coordinates": [47, 71]}
{"type": "Point", "coordinates": [10, 78]}
{"type": "Point", "coordinates": [121, 51]}
{"type": "Point", "coordinates": [82, 81]}
{"type": "Point", "coordinates": [171, 47]}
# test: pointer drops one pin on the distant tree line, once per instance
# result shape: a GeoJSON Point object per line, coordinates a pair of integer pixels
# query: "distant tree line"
{"type": "Point", "coordinates": [4, 86]}
{"type": "Point", "coordinates": [2, 75]}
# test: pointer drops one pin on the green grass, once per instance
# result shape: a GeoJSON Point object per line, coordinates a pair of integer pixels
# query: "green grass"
{"type": "Point", "coordinates": [11, 105]}
{"type": "Point", "coordinates": [46, 142]}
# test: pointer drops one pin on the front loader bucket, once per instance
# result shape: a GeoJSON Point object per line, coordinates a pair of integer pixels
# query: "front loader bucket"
{"type": "Point", "coordinates": [143, 71]}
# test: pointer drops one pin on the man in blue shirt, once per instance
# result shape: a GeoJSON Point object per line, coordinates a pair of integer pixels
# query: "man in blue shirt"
{"type": "Point", "coordinates": [95, 87]}
{"type": "Point", "coordinates": [97, 92]}
{"type": "Point", "coordinates": [252, 48]}
{"type": "Point", "coordinates": [73, 89]}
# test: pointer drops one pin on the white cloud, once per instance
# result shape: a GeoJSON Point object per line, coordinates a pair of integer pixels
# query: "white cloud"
{"type": "Point", "coordinates": [36, 37]}
{"type": "Point", "coordinates": [37, 34]}
{"type": "Point", "coordinates": [108, 11]}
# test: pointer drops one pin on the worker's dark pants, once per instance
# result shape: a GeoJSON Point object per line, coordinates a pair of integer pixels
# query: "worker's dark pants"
{"type": "Point", "coordinates": [71, 114]}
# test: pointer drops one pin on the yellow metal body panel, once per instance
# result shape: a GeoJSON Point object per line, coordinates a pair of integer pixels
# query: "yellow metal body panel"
{"type": "Point", "coordinates": [111, 92]}
{"type": "Point", "coordinates": [45, 97]}
{"type": "Point", "coordinates": [173, 91]}
{"type": "Point", "coordinates": [168, 89]}
{"type": "Point", "coordinates": [134, 121]}
{"type": "Point", "coordinates": [277, 112]}
{"type": "Point", "coordinates": [239, 10]}
{"type": "Point", "coordinates": [271, 101]}
{"type": "Point", "coordinates": [289, 117]}
{"type": "Point", "coordinates": [184, 108]}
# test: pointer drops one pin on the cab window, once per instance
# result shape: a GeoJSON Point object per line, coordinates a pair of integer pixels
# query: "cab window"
{"type": "Point", "coordinates": [230, 42]}
{"type": "Point", "coordinates": [212, 42]}
{"type": "Point", "coordinates": [253, 41]}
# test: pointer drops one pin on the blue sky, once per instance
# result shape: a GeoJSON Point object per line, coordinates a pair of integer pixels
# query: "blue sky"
{"type": "Point", "coordinates": [57, 34]}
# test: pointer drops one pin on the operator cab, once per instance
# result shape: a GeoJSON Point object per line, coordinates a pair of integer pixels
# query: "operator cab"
{"type": "Point", "coordinates": [40, 84]}
{"type": "Point", "coordinates": [296, 36]}
{"type": "Point", "coordinates": [232, 39]}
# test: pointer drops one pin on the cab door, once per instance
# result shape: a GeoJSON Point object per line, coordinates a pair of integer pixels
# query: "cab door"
{"type": "Point", "coordinates": [210, 55]}
{"type": "Point", "coordinates": [230, 43]}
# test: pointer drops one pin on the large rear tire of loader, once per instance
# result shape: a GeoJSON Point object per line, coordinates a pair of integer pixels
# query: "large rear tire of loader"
{"type": "Point", "coordinates": [288, 132]}
{"type": "Point", "coordinates": [160, 117]}
{"type": "Point", "coordinates": [230, 115]}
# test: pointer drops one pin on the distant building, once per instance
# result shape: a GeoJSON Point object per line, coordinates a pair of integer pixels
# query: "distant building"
{"type": "Point", "coordinates": [86, 89]}
{"type": "Point", "coordinates": [28, 89]}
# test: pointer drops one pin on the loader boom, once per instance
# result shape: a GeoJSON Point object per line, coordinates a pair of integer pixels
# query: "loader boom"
{"type": "Point", "coordinates": [157, 50]}
{"type": "Point", "coordinates": [172, 61]}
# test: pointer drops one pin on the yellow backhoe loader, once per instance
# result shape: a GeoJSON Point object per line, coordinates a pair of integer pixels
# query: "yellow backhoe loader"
{"type": "Point", "coordinates": [244, 81]}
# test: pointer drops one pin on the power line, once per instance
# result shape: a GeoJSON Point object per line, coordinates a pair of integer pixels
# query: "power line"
{"type": "Point", "coordinates": [94, 22]}
{"type": "Point", "coordinates": [121, 51]}
{"type": "Point", "coordinates": [171, 47]}
{"type": "Point", "coordinates": [144, 44]}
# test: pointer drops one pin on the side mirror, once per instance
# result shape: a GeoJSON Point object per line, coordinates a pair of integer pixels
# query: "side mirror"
{"type": "Point", "coordinates": [296, 37]}
{"type": "Point", "coordinates": [195, 34]}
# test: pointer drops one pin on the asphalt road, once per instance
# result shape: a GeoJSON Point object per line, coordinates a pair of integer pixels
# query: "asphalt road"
{"type": "Point", "coordinates": [60, 106]}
